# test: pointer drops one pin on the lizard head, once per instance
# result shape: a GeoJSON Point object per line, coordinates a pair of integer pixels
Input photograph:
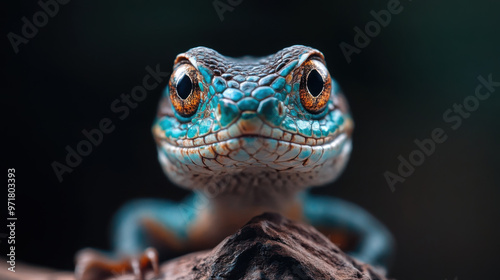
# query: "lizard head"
{"type": "Point", "coordinates": [277, 123]}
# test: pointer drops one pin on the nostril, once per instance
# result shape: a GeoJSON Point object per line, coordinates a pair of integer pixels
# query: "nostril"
{"type": "Point", "coordinates": [280, 109]}
{"type": "Point", "coordinates": [217, 112]}
{"type": "Point", "coordinates": [272, 111]}
{"type": "Point", "coordinates": [228, 112]}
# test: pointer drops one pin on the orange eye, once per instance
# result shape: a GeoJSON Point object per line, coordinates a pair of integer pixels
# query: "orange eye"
{"type": "Point", "coordinates": [315, 86]}
{"type": "Point", "coordinates": [185, 93]}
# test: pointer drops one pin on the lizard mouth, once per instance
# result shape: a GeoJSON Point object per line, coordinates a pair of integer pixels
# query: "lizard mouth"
{"type": "Point", "coordinates": [248, 164]}
{"type": "Point", "coordinates": [246, 151]}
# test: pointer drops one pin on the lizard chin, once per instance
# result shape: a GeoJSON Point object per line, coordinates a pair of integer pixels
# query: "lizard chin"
{"type": "Point", "coordinates": [255, 165]}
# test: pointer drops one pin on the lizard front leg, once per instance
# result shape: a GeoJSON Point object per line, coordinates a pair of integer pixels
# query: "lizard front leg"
{"type": "Point", "coordinates": [138, 227]}
{"type": "Point", "coordinates": [93, 264]}
{"type": "Point", "coordinates": [374, 243]}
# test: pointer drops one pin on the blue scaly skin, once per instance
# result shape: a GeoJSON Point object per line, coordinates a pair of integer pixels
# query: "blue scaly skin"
{"type": "Point", "coordinates": [249, 135]}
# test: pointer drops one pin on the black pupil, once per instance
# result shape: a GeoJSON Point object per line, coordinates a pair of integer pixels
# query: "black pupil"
{"type": "Point", "coordinates": [184, 87]}
{"type": "Point", "coordinates": [315, 83]}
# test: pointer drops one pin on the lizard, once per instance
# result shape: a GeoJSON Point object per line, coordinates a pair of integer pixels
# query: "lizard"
{"type": "Point", "coordinates": [247, 135]}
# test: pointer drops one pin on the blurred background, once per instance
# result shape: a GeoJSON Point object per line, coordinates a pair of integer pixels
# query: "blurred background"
{"type": "Point", "coordinates": [445, 216]}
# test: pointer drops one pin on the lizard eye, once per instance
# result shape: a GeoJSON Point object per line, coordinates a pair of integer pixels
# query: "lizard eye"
{"type": "Point", "coordinates": [315, 86]}
{"type": "Point", "coordinates": [184, 90]}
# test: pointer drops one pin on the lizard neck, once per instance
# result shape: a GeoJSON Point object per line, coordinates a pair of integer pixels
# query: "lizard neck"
{"type": "Point", "coordinates": [250, 193]}
{"type": "Point", "coordinates": [222, 215]}
{"type": "Point", "coordinates": [253, 203]}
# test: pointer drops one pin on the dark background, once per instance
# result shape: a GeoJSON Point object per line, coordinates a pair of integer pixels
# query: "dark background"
{"type": "Point", "coordinates": [445, 216]}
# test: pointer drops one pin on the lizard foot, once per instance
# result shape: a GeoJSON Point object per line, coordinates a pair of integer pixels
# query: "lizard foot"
{"type": "Point", "coordinates": [93, 265]}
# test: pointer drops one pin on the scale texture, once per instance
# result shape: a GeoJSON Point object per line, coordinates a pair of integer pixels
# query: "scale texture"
{"type": "Point", "coordinates": [251, 120]}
